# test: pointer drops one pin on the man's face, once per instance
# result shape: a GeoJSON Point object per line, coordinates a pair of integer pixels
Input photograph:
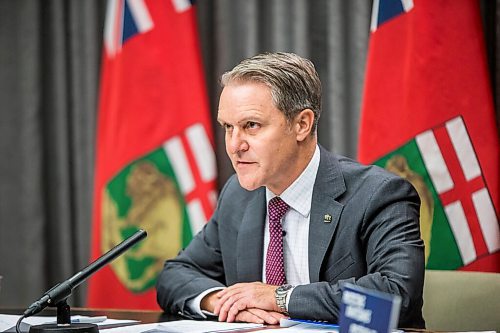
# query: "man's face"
{"type": "Point", "coordinates": [260, 142]}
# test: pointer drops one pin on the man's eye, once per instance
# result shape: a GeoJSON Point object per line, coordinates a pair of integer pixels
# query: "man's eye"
{"type": "Point", "coordinates": [252, 124]}
{"type": "Point", "coordinates": [227, 127]}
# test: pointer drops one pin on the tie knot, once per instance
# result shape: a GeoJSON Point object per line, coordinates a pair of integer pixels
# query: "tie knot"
{"type": "Point", "coordinates": [277, 209]}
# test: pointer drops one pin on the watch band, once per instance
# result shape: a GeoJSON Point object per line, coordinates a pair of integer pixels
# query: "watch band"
{"type": "Point", "coordinates": [281, 294]}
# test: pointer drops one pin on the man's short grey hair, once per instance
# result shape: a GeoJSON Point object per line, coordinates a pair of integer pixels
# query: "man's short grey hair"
{"type": "Point", "coordinates": [293, 80]}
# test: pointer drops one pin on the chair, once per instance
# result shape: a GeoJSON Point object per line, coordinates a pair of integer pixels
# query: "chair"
{"type": "Point", "coordinates": [461, 301]}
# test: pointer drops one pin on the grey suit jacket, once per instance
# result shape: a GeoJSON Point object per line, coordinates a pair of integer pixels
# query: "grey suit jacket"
{"type": "Point", "coordinates": [372, 241]}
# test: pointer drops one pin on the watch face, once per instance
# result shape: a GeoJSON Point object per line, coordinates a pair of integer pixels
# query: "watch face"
{"type": "Point", "coordinates": [284, 288]}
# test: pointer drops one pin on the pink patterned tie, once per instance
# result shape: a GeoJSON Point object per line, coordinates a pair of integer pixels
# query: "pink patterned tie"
{"type": "Point", "coordinates": [275, 267]}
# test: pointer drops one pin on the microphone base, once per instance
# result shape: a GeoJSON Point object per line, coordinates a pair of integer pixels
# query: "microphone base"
{"type": "Point", "coordinates": [72, 328]}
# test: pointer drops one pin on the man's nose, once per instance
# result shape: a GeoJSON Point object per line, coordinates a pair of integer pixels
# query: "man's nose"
{"type": "Point", "coordinates": [236, 142]}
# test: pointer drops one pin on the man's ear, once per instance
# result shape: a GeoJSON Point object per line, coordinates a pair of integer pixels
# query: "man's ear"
{"type": "Point", "coordinates": [303, 124]}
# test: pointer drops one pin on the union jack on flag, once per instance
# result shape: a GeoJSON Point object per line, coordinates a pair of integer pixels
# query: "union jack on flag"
{"type": "Point", "coordinates": [126, 18]}
{"type": "Point", "coordinates": [384, 10]}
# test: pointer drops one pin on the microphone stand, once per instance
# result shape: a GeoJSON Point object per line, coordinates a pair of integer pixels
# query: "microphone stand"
{"type": "Point", "coordinates": [57, 295]}
{"type": "Point", "coordinates": [64, 324]}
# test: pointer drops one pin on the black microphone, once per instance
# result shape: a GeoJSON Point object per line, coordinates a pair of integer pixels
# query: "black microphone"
{"type": "Point", "coordinates": [62, 290]}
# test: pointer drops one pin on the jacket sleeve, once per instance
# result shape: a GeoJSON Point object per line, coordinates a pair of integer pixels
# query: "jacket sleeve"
{"type": "Point", "coordinates": [390, 236]}
{"type": "Point", "coordinates": [197, 268]}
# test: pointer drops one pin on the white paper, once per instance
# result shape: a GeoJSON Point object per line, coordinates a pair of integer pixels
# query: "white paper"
{"type": "Point", "coordinates": [184, 326]}
{"type": "Point", "coordinates": [196, 326]}
{"type": "Point", "coordinates": [8, 322]}
{"type": "Point", "coordinates": [131, 329]}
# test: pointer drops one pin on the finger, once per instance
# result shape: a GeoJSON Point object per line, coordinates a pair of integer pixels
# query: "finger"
{"type": "Point", "coordinates": [233, 290]}
{"type": "Point", "coordinates": [248, 317]}
{"type": "Point", "coordinates": [224, 297]}
{"type": "Point", "coordinates": [233, 287]}
{"type": "Point", "coordinates": [218, 304]}
{"type": "Point", "coordinates": [221, 301]}
{"type": "Point", "coordinates": [249, 292]}
{"type": "Point", "coordinates": [277, 315]}
{"type": "Point", "coordinates": [222, 292]}
{"type": "Point", "coordinates": [229, 298]}
{"type": "Point", "coordinates": [225, 308]}
{"type": "Point", "coordinates": [240, 288]}
{"type": "Point", "coordinates": [265, 315]}
{"type": "Point", "coordinates": [234, 310]}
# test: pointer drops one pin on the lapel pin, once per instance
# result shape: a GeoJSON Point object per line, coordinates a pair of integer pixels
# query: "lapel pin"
{"type": "Point", "coordinates": [327, 218]}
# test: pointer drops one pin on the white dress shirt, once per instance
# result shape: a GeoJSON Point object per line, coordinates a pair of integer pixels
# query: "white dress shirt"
{"type": "Point", "coordinates": [295, 224]}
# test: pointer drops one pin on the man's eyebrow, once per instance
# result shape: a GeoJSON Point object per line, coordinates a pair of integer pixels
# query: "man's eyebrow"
{"type": "Point", "coordinates": [221, 121]}
{"type": "Point", "coordinates": [253, 117]}
{"type": "Point", "coordinates": [245, 119]}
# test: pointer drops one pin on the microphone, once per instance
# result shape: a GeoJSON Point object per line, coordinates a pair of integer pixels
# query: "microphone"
{"type": "Point", "coordinates": [63, 290]}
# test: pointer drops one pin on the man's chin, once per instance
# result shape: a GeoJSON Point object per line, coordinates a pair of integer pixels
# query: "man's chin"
{"type": "Point", "coordinates": [248, 184]}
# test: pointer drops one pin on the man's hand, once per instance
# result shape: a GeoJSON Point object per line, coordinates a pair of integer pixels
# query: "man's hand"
{"type": "Point", "coordinates": [243, 296]}
{"type": "Point", "coordinates": [259, 316]}
{"type": "Point", "coordinates": [209, 301]}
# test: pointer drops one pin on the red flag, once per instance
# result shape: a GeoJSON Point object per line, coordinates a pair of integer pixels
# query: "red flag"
{"type": "Point", "coordinates": [428, 115]}
{"type": "Point", "coordinates": [155, 164]}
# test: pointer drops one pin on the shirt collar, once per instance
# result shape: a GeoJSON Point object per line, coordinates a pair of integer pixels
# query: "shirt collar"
{"type": "Point", "coordinates": [299, 194]}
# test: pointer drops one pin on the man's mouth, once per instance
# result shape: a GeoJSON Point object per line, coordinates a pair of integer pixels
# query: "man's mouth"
{"type": "Point", "coordinates": [244, 163]}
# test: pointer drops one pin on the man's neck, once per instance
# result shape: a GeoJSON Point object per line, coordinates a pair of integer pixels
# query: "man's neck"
{"type": "Point", "coordinates": [304, 156]}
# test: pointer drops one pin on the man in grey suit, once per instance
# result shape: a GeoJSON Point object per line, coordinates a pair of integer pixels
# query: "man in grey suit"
{"type": "Point", "coordinates": [295, 222]}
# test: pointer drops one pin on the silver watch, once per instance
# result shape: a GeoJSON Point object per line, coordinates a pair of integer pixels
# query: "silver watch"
{"type": "Point", "coordinates": [280, 294]}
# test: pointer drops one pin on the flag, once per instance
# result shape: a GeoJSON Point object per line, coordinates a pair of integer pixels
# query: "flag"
{"type": "Point", "coordinates": [427, 115]}
{"type": "Point", "coordinates": [155, 162]}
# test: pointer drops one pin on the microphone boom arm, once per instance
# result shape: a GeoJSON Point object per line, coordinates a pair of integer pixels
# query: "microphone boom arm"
{"type": "Point", "coordinates": [61, 291]}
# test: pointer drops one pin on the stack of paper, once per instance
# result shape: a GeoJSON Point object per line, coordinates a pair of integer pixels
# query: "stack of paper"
{"type": "Point", "coordinates": [184, 326]}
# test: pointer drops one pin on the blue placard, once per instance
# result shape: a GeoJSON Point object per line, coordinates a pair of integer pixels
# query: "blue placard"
{"type": "Point", "coordinates": [368, 311]}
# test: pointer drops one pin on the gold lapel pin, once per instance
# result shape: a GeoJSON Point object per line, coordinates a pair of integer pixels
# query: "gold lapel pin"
{"type": "Point", "coordinates": [327, 218]}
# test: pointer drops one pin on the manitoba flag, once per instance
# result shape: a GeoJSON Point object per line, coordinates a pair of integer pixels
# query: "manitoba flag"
{"type": "Point", "coordinates": [428, 116]}
{"type": "Point", "coordinates": [155, 163]}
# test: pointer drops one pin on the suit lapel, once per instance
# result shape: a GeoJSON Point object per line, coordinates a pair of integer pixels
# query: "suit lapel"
{"type": "Point", "coordinates": [250, 241]}
{"type": "Point", "coordinates": [325, 211]}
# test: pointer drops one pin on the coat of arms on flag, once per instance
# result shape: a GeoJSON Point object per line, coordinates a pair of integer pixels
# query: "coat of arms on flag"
{"type": "Point", "coordinates": [155, 162]}
{"type": "Point", "coordinates": [457, 216]}
{"type": "Point", "coordinates": [428, 115]}
{"type": "Point", "coordinates": [158, 192]}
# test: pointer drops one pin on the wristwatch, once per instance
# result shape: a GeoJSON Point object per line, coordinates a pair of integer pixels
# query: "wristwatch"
{"type": "Point", "coordinates": [281, 294]}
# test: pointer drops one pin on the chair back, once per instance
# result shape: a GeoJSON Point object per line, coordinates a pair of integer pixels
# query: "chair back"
{"type": "Point", "coordinates": [461, 301]}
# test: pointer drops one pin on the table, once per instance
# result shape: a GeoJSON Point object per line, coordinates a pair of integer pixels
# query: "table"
{"type": "Point", "coordinates": [144, 316]}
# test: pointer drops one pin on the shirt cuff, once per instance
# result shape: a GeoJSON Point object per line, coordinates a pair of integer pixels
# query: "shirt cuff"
{"type": "Point", "coordinates": [195, 304]}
